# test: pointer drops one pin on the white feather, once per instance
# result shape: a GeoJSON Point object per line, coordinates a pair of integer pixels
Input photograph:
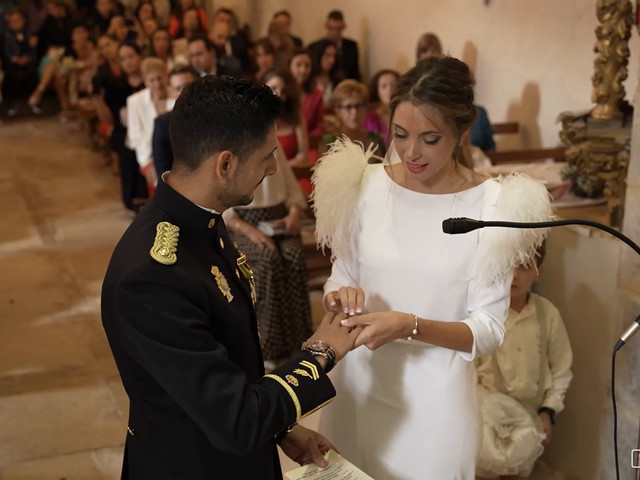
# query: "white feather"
{"type": "Point", "coordinates": [520, 199]}
{"type": "Point", "coordinates": [336, 182]}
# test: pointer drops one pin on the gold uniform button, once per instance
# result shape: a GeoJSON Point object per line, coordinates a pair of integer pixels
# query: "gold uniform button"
{"type": "Point", "coordinates": [221, 243]}
{"type": "Point", "coordinates": [212, 223]}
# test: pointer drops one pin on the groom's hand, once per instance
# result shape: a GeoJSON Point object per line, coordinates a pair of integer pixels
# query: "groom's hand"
{"type": "Point", "coordinates": [306, 446]}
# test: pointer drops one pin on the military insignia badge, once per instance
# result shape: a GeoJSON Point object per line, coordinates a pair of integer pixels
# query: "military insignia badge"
{"type": "Point", "coordinates": [223, 285]}
{"type": "Point", "coordinates": [166, 243]}
{"type": "Point", "coordinates": [247, 272]}
{"type": "Point", "coordinates": [303, 373]}
{"type": "Point", "coordinates": [292, 380]}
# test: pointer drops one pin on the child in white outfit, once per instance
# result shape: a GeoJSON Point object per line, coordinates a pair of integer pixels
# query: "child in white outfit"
{"type": "Point", "coordinates": [533, 367]}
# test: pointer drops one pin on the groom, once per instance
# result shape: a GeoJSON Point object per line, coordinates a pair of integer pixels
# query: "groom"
{"type": "Point", "coordinates": [178, 309]}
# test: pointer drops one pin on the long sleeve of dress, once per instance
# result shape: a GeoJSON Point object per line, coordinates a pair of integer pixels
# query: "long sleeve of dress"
{"type": "Point", "coordinates": [488, 307]}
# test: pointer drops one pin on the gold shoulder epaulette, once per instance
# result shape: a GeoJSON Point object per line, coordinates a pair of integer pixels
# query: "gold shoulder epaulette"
{"type": "Point", "coordinates": [165, 244]}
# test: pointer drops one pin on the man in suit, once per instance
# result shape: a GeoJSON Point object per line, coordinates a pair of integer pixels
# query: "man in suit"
{"type": "Point", "coordinates": [347, 49]}
{"type": "Point", "coordinates": [179, 77]}
{"type": "Point", "coordinates": [233, 62]}
{"type": "Point", "coordinates": [203, 56]}
{"type": "Point", "coordinates": [284, 17]}
{"type": "Point", "coordinates": [237, 44]}
{"type": "Point", "coordinates": [178, 309]}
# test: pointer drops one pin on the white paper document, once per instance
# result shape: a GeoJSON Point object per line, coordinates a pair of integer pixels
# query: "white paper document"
{"type": "Point", "coordinates": [339, 469]}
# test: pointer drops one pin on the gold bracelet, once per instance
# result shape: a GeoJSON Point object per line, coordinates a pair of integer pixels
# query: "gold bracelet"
{"type": "Point", "coordinates": [414, 332]}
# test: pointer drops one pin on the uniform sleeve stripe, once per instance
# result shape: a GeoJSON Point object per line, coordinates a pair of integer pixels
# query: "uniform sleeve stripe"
{"type": "Point", "coordinates": [291, 393]}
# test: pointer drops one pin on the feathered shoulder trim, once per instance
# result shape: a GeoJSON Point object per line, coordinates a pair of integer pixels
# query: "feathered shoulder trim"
{"type": "Point", "coordinates": [512, 198]}
{"type": "Point", "coordinates": [336, 182]}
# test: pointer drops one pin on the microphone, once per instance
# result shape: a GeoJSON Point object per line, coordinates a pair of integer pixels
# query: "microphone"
{"type": "Point", "coordinates": [455, 226]}
{"type": "Point", "coordinates": [631, 331]}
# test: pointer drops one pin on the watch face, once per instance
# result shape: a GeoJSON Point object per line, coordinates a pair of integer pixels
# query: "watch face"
{"type": "Point", "coordinates": [318, 345]}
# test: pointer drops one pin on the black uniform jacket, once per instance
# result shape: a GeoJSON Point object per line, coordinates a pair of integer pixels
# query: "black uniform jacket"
{"type": "Point", "coordinates": [180, 320]}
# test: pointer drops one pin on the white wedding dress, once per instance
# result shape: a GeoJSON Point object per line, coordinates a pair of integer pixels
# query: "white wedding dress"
{"type": "Point", "coordinates": [408, 410]}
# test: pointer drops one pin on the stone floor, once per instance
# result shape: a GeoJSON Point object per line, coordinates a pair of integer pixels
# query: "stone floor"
{"type": "Point", "coordinates": [62, 406]}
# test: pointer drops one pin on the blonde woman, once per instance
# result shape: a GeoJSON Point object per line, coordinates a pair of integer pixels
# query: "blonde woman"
{"type": "Point", "coordinates": [142, 109]}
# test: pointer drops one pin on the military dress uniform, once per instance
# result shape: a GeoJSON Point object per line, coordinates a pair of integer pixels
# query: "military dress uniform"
{"type": "Point", "coordinates": [177, 308]}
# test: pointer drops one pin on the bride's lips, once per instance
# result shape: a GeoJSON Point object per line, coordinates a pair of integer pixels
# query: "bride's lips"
{"type": "Point", "coordinates": [414, 168]}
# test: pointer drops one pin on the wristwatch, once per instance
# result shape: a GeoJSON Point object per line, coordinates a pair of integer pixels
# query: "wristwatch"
{"type": "Point", "coordinates": [551, 412]}
{"type": "Point", "coordinates": [322, 349]}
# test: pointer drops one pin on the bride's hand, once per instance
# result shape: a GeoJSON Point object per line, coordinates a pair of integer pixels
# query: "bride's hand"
{"type": "Point", "coordinates": [380, 328]}
{"type": "Point", "coordinates": [349, 300]}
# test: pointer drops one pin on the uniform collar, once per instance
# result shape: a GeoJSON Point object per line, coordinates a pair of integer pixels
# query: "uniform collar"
{"type": "Point", "coordinates": [189, 214]}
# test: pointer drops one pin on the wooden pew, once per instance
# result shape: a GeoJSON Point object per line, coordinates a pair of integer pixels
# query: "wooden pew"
{"type": "Point", "coordinates": [505, 127]}
{"type": "Point", "coordinates": [528, 155]}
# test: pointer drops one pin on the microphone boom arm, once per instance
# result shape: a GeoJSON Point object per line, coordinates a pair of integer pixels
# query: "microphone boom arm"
{"type": "Point", "coordinates": [474, 224]}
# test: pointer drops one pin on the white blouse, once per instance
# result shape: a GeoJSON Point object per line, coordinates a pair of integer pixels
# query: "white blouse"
{"type": "Point", "coordinates": [141, 113]}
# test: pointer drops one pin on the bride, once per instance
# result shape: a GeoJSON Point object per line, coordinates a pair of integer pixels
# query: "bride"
{"type": "Point", "coordinates": [426, 303]}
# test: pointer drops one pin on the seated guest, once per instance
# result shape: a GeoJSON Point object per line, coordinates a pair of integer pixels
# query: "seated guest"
{"type": "Point", "coordinates": [20, 62]}
{"type": "Point", "coordinates": [265, 59]}
{"type": "Point", "coordinates": [144, 11]}
{"type": "Point", "coordinates": [36, 13]}
{"type": "Point", "coordinates": [282, 44]}
{"type": "Point", "coordinates": [163, 9]}
{"type": "Point", "coordinates": [311, 100]}
{"type": "Point", "coordinates": [161, 47]}
{"type": "Point", "coordinates": [179, 77]}
{"type": "Point", "coordinates": [290, 126]}
{"type": "Point", "coordinates": [100, 18]}
{"type": "Point", "coordinates": [108, 72]}
{"type": "Point", "coordinates": [277, 261]}
{"type": "Point", "coordinates": [326, 69]}
{"type": "Point", "coordinates": [109, 69]}
{"type": "Point", "coordinates": [54, 39]}
{"type": "Point", "coordinates": [124, 30]}
{"type": "Point", "coordinates": [482, 131]}
{"type": "Point", "coordinates": [237, 44]}
{"type": "Point", "coordinates": [283, 17]}
{"type": "Point", "coordinates": [175, 19]}
{"type": "Point", "coordinates": [347, 49]}
{"type": "Point", "coordinates": [81, 67]}
{"type": "Point", "coordinates": [202, 56]}
{"type": "Point", "coordinates": [113, 109]}
{"type": "Point", "coordinates": [349, 101]}
{"type": "Point", "coordinates": [428, 46]}
{"type": "Point", "coordinates": [190, 27]}
{"type": "Point", "coordinates": [231, 64]}
{"type": "Point", "coordinates": [142, 109]}
{"type": "Point", "coordinates": [383, 84]}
